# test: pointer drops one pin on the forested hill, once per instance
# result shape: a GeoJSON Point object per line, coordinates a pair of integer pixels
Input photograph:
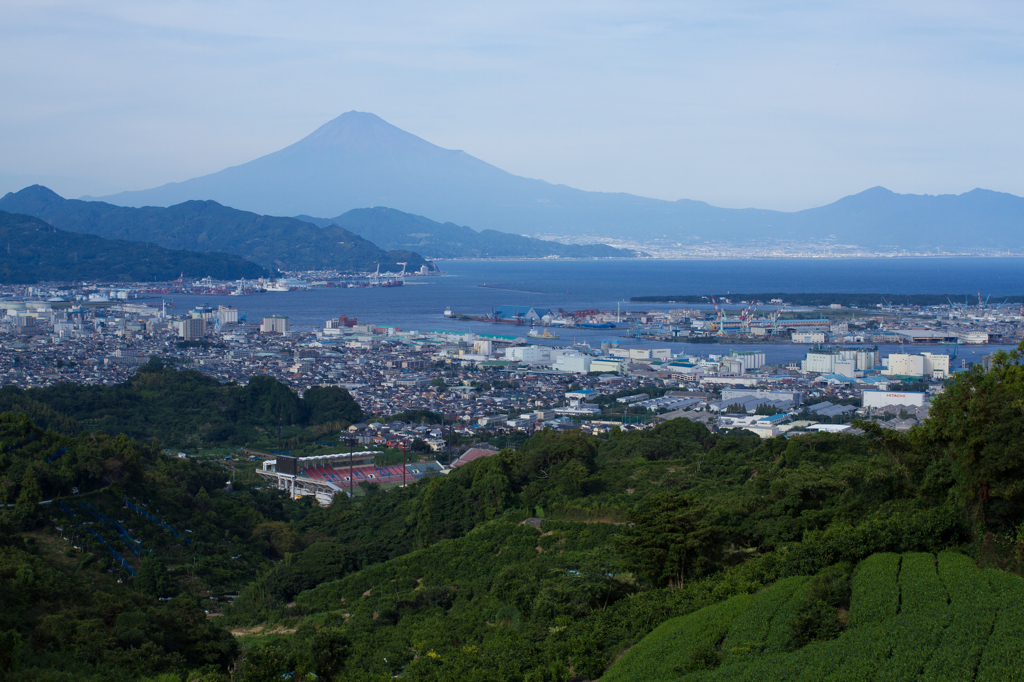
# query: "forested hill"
{"type": "Point", "coordinates": [646, 555]}
{"type": "Point", "coordinates": [391, 229]}
{"type": "Point", "coordinates": [206, 226]}
{"type": "Point", "coordinates": [34, 251]}
{"type": "Point", "coordinates": [184, 407]}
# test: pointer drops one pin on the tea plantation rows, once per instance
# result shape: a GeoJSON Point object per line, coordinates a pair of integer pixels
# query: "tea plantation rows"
{"type": "Point", "coordinates": [914, 616]}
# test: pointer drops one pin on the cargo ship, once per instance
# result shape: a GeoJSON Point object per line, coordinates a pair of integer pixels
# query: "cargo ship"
{"type": "Point", "coordinates": [534, 334]}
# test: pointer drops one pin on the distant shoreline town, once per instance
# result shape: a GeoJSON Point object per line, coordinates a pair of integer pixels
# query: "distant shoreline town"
{"type": "Point", "coordinates": [507, 382]}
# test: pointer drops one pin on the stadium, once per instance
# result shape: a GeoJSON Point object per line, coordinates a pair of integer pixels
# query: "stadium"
{"type": "Point", "coordinates": [324, 476]}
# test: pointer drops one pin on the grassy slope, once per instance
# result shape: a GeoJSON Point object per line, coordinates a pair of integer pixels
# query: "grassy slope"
{"type": "Point", "coordinates": [953, 622]}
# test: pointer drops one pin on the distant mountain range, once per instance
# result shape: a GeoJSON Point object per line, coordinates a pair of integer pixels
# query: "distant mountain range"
{"type": "Point", "coordinates": [34, 251]}
{"type": "Point", "coordinates": [359, 160]}
{"type": "Point", "coordinates": [392, 229]}
{"type": "Point", "coordinates": [206, 226]}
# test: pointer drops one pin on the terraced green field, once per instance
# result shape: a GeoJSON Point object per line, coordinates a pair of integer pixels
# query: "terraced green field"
{"type": "Point", "coordinates": [911, 617]}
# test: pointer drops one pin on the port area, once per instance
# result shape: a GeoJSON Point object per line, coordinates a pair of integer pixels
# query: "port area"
{"type": "Point", "coordinates": [921, 320]}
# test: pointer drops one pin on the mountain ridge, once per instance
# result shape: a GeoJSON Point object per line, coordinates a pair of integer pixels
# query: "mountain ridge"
{"type": "Point", "coordinates": [390, 228]}
{"type": "Point", "coordinates": [38, 252]}
{"type": "Point", "coordinates": [207, 226]}
{"type": "Point", "coordinates": [359, 160]}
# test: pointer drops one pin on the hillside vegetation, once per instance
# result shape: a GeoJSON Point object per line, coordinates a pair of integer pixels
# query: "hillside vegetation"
{"type": "Point", "coordinates": [66, 611]}
{"type": "Point", "coordinates": [206, 226]}
{"type": "Point", "coordinates": [672, 553]}
{"type": "Point", "coordinates": [37, 252]}
{"type": "Point", "coordinates": [911, 617]}
{"type": "Point", "coordinates": [185, 408]}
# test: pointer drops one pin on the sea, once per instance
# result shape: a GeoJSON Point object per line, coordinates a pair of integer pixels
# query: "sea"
{"type": "Point", "coordinates": [478, 287]}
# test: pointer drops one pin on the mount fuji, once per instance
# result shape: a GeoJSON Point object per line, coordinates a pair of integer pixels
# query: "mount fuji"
{"type": "Point", "coordinates": [358, 160]}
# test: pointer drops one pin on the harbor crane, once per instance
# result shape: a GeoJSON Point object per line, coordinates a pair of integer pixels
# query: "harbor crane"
{"type": "Point", "coordinates": [719, 323]}
{"type": "Point", "coordinates": [745, 316]}
{"type": "Point", "coordinates": [774, 316]}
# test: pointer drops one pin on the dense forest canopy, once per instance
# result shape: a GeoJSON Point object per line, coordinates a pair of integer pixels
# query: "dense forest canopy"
{"type": "Point", "coordinates": [184, 407]}
{"type": "Point", "coordinates": [680, 553]}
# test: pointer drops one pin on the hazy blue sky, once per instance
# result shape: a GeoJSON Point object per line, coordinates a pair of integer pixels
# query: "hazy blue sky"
{"type": "Point", "coordinates": [770, 104]}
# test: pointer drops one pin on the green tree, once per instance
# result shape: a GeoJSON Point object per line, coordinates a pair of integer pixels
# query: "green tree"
{"type": "Point", "coordinates": [267, 663]}
{"type": "Point", "coordinates": [153, 578]}
{"type": "Point", "coordinates": [277, 538]}
{"type": "Point", "coordinates": [327, 652]}
{"type": "Point", "coordinates": [327, 404]}
{"type": "Point", "coordinates": [10, 647]}
{"type": "Point", "coordinates": [26, 507]}
{"type": "Point", "coordinates": [670, 540]}
{"type": "Point", "coordinates": [978, 423]}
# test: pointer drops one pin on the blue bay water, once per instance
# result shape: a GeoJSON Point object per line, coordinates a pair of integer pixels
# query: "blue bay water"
{"type": "Point", "coordinates": [478, 287]}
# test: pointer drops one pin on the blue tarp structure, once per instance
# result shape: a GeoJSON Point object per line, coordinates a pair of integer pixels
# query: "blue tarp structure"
{"type": "Point", "coordinates": [58, 454]}
{"type": "Point", "coordinates": [117, 557]}
{"type": "Point", "coordinates": [21, 444]}
{"type": "Point", "coordinates": [138, 510]}
{"type": "Point", "coordinates": [114, 526]}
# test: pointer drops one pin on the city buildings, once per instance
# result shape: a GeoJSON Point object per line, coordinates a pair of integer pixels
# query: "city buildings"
{"type": "Point", "coordinates": [191, 328]}
{"type": "Point", "coordinates": [928, 365]}
{"type": "Point", "coordinates": [504, 382]}
{"type": "Point", "coordinates": [274, 324]}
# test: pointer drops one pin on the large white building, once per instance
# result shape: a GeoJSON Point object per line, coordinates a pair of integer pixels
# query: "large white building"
{"type": "Point", "coordinates": [192, 328]}
{"type": "Point", "coordinates": [608, 365]}
{"type": "Point", "coordinates": [227, 315]}
{"type": "Point", "coordinates": [825, 360]}
{"type": "Point", "coordinates": [925, 365]}
{"type": "Point", "coordinates": [529, 354]}
{"type": "Point", "coordinates": [891, 398]}
{"type": "Point", "coordinates": [733, 394]}
{"type": "Point", "coordinates": [936, 366]}
{"type": "Point", "coordinates": [973, 337]}
{"type": "Point", "coordinates": [276, 324]}
{"type": "Point", "coordinates": [846, 368]}
{"type": "Point", "coordinates": [748, 360]}
{"type": "Point", "coordinates": [576, 364]}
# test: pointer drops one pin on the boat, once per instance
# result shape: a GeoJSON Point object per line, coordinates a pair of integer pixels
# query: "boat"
{"type": "Point", "coordinates": [448, 312]}
{"type": "Point", "coordinates": [283, 285]}
{"type": "Point", "coordinates": [534, 334]}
